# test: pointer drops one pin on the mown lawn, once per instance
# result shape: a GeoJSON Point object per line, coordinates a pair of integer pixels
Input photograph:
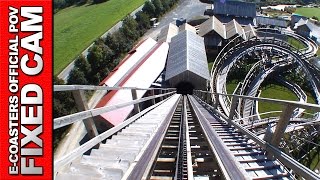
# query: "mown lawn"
{"type": "Point", "coordinates": [210, 66]}
{"type": "Point", "coordinates": [75, 28]}
{"type": "Point", "coordinates": [231, 86]}
{"type": "Point", "coordinates": [308, 12]}
{"type": "Point", "coordinates": [296, 43]}
{"type": "Point", "coordinates": [279, 92]}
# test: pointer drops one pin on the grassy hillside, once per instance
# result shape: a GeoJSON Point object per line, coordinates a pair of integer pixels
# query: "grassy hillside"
{"type": "Point", "coordinates": [75, 28]}
{"type": "Point", "coordinates": [309, 12]}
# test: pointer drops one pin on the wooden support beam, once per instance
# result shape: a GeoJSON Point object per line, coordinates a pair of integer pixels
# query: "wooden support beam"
{"type": "Point", "coordinates": [161, 92]}
{"type": "Point", "coordinates": [153, 100]}
{"type": "Point", "coordinates": [208, 97]}
{"type": "Point", "coordinates": [233, 107]}
{"type": "Point", "coordinates": [281, 127]}
{"type": "Point", "coordinates": [136, 108]}
{"type": "Point", "coordinates": [82, 105]}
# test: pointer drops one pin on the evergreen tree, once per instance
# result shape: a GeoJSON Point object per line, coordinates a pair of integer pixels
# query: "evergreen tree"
{"type": "Point", "coordinates": [143, 22]}
{"type": "Point", "coordinates": [77, 77]}
{"type": "Point", "coordinates": [82, 64]}
{"type": "Point", "coordinates": [149, 9]}
{"type": "Point", "coordinates": [130, 28]}
{"type": "Point", "coordinates": [158, 7]}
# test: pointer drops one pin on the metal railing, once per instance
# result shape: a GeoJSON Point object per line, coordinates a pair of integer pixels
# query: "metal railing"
{"type": "Point", "coordinates": [86, 115]}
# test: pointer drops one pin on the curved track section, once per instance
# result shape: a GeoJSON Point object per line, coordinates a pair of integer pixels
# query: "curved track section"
{"type": "Point", "coordinates": [267, 46]}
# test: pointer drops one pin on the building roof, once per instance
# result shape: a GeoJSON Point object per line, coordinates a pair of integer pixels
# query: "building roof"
{"type": "Point", "coordinates": [168, 32]}
{"type": "Point", "coordinates": [262, 20]}
{"type": "Point", "coordinates": [145, 72]}
{"type": "Point", "coordinates": [235, 8]}
{"type": "Point", "coordinates": [187, 54]}
{"type": "Point", "coordinates": [212, 24]}
{"type": "Point", "coordinates": [249, 31]}
{"type": "Point", "coordinates": [233, 28]}
{"type": "Point", "coordinates": [226, 31]}
{"type": "Point", "coordinates": [188, 27]}
{"type": "Point", "coordinates": [314, 29]}
{"type": "Point", "coordinates": [127, 64]}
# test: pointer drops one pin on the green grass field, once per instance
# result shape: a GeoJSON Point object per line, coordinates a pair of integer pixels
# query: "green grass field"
{"type": "Point", "coordinates": [275, 92]}
{"type": "Point", "coordinates": [279, 92]}
{"type": "Point", "coordinates": [296, 43]}
{"type": "Point", "coordinates": [210, 66]}
{"type": "Point", "coordinates": [231, 86]}
{"type": "Point", "coordinates": [75, 28]}
{"type": "Point", "coordinates": [309, 12]}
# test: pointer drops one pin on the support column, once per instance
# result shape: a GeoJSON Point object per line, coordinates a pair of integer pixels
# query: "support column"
{"type": "Point", "coordinates": [281, 127]}
{"type": "Point", "coordinates": [134, 97]}
{"type": "Point", "coordinates": [233, 107]}
{"type": "Point", "coordinates": [153, 100]}
{"type": "Point", "coordinates": [215, 105]}
{"type": "Point", "coordinates": [161, 92]}
{"type": "Point", "coordinates": [82, 105]}
{"type": "Point", "coordinates": [208, 97]}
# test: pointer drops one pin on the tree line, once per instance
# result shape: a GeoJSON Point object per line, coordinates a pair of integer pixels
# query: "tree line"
{"type": "Point", "coordinates": [105, 55]}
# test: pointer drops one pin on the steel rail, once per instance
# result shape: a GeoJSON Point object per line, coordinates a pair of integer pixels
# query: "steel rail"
{"type": "Point", "coordinates": [69, 119]}
{"type": "Point", "coordinates": [230, 168]}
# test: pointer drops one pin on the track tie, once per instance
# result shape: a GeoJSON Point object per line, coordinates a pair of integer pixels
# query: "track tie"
{"type": "Point", "coordinates": [229, 134]}
{"type": "Point", "coordinates": [266, 167]}
{"type": "Point", "coordinates": [248, 153]}
{"type": "Point", "coordinates": [232, 137]}
{"type": "Point", "coordinates": [238, 144]}
{"type": "Point", "coordinates": [253, 160]}
{"type": "Point", "coordinates": [235, 140]}
{"type": "Point", "coordinates": [166, 160]}
{"type": "Point", "coordinates": [243, 148]}
{"type": "Point", "coordinates": [160, 178]}
{"type": "Point", "coordinates": [169, 147]}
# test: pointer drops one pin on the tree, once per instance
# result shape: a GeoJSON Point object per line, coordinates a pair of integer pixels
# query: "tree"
{"type": "Point", "coordinates": [143, 22]}
{"type": "Point", "coordinates": [77, 77]}
{"type": "Point", "coordinates": [95, 57]}
{"type": "Point", "coordinates": [130, 29]}
{"type": "Point", "coordinates": [63, 101]}
{"type": "Point", "coordinates": [117, 42]}
{"type": "Point", "coordinates": [166, 5]}
{"type": "Point", "coordinates": [82, 64]}
{"type": "Point", "coordinates": [315, 18]}
{"type": "Point", "coordinates": [98, 1]}
{"type": "Point", "coordinates": [149, 8]}
{"type": "Point", "coordinates": [158, 7]}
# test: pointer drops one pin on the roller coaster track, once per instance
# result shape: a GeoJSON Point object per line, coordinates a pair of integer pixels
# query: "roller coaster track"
{"type": "Point", "coordinates": [180, 137]}
{"type": "Point", "coordinates": [234, 52]}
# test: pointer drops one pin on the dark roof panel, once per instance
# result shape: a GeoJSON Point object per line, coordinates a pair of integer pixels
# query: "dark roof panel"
{"type": "Point", "coordinates": [235, 8]}
{"type": "Point", "coordinates": [261, 20]}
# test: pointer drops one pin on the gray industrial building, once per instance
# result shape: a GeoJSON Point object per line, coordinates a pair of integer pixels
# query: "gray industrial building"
{"type": "Point", "coordinates": [243, 12]}
{"type": "Point", "coordinates": [187, 66]}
